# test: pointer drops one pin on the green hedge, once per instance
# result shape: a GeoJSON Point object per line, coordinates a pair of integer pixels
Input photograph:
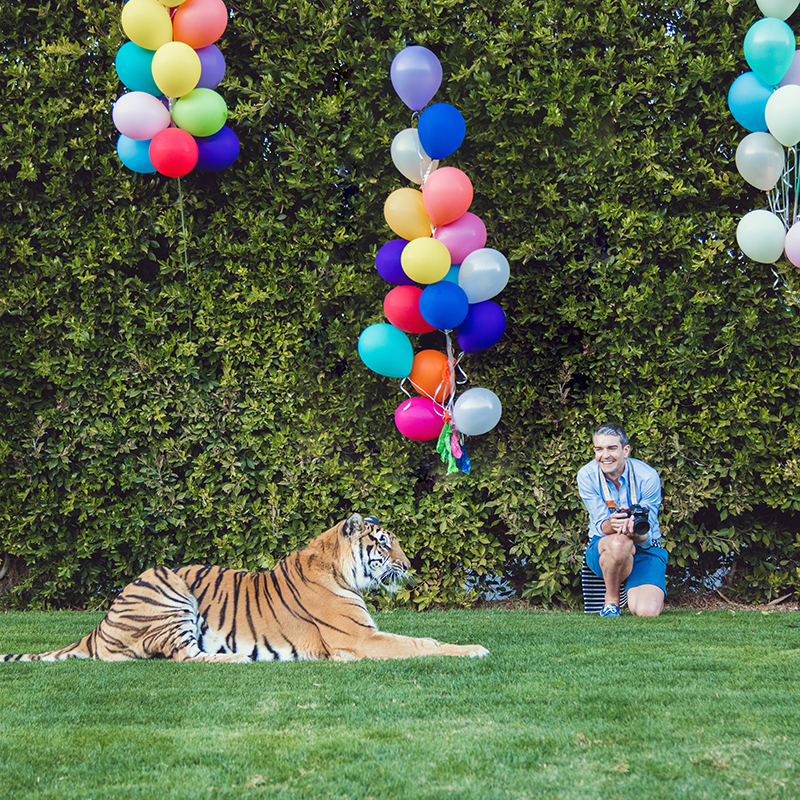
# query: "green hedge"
{"type": "Point", "coordinates": [162, 407]}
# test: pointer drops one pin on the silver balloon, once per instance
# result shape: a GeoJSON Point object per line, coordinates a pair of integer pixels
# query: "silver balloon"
{"type": "Point", "coordinates": [759, 159]}
{"type": "Point", "coordinates": [484, 273]}
{"type": "Point", "coordinates": [780, 9]}
{"type": "Point", "coordinates": [761, 235]}
{"type": "Point", "coordinates": [476, 411]}
{"type": "Point", "coordinates": [409, 157]}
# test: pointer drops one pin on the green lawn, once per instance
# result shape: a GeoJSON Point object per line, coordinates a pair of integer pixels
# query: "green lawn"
{"type": "Point", "coordinates": [567, 706]}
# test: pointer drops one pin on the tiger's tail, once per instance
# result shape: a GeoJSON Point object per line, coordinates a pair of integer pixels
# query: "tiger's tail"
{"type": "Point", "coordinates": [80, 649]}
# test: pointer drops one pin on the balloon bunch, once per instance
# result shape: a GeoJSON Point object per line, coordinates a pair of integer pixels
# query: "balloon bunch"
{"type": "Point", "coordinates": [766, 101]}
{"type": "Point", "coordinates": [172, 121]}
{"type": "Point", "coordinates": [441, 247]}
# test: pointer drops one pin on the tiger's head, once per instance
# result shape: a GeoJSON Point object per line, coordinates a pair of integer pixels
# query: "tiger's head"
{"type": "Point", "coordinates": [378, 560]}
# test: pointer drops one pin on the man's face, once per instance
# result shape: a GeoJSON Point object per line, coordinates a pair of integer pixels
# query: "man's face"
{"type": "Point", "coordinates": [610, 455]}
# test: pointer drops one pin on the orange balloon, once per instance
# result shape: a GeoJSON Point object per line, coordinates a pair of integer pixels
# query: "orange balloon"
{"type": "Point", "coordinates": [447, 195]}
{"type": "Point", "coordinates": [199, 23]}
{"type": "Point", "coordinates": [405, 214]}
{"type": "Point", "coordinates": [430, 374]}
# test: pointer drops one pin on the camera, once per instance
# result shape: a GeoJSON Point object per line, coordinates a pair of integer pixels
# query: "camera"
{"type": "Point", "coordinates": [641, 520]}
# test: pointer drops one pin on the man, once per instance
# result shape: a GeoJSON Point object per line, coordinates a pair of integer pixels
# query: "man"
{"type": "Point", "coordinates": [624, 548]}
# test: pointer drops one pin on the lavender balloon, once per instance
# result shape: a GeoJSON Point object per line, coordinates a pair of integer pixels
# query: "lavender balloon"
{"type": "Point", "coordinates": [416, 75]}
{"type": "Point", "coordinates": [212, 67]}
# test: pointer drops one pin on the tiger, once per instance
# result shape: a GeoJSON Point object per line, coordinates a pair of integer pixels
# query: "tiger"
{"type": "Point", "coordinates": [309, 607]}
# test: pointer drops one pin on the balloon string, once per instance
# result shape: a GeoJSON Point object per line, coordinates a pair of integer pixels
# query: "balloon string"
{"type": "Point", "coordinates": [451, 365]}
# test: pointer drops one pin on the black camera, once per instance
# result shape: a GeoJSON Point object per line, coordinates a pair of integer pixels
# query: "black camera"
{"type": "Point", "coordinates": [641, 519]}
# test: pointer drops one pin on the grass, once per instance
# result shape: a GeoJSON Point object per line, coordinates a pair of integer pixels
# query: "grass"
{"type": "Point", "coordinates": [567, 706]}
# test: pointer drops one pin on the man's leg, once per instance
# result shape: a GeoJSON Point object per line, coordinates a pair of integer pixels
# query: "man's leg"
{"type": "Point", "coordinates": [646, 600]}
{"type": "Point", "coordinates": [616, 562]}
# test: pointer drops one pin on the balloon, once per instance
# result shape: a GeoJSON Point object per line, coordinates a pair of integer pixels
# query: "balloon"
{"type": "Point", "coordinates": [202, 112]}
{"type": "Point", "coordinates": [134, 68]}
{"type": "Point", "coordinates": [199, 23]}
{"type": "Point", "coordinates": [793, 74]}
{"type": "Point", "coordinates": [416, 75]}
{"type": "Point", "coordinates": [447, 195]}
{"type": "Point", "coordinates": [425, 260]}
{"type": "Point", "coordinates": [171, 3]}
{"type": "Point", "coordinates": [146, 23]}
{"type": "Point", "coordinates": [452, 274]}
{"type": "Point", "coordinates": [476, 411]}
{"type": "Point", "coordinates": [387, 262]}
{"type": "Point", "coordinates": [782, 114]}
{"type": "Point", "coordinates": [386, 350]}
{"type": "Point", "coordinates": [405, 214]}
{"type": "Point", "coordinates": [134, 154]}
{"type": "Point", "coordinates": [173, 152]}
{"type": "Point", "coordinates": [462, 237]}
{"type": "Point", "coordinates": [430, 374]}
{"type": "Point", "coordinates": [176, 68]}
{"type": "Point", "coordinates": [218, 151]}
{"type": "Point", "coordinates": [747, 100]}
{"type": "Point", "coordinates": [769, 46]}
{"type": "Point", "coordinates": [791, 246]}
{"type": "Point", "coordinates": [483, 327]}
{"type": "Point", "coordinates": [441, 130]}
{"type": "Point", "coordinates": [759, 159]}
{"type": "Point", "coordinates": [212, 63]}
{"type": "Point", "coordinates": [139, 115]}
{"type": "Point", "coordinates": [444, 305]}
{"type": "Point", "coordinates": [419, 418]}
{"type": "Point", "coordinates": [780, 9]}
{"type": "Point", "coordinates": [409, 157]}
{"type": "Point", "coordinates": [761, 236]}
{"type": "Point", "coordinates": [485, 272]}
{"type": "Point", "coordinates": [401, 307]}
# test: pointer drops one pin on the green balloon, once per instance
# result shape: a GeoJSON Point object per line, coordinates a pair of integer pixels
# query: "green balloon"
{"type": "Point", "coordinates": [201, 112]}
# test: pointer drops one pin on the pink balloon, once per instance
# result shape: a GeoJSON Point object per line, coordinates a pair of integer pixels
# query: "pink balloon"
{"type": "Point", "coordinates": [199, 23]}
{"type": "Point", "coordinates": [792, 244]}
{"type": "Point", "coordinates": [447, 195]}
{"type": "Point", "coordinates": [462, 237]}
{"type": "Point", "coordinates": [419, 418]}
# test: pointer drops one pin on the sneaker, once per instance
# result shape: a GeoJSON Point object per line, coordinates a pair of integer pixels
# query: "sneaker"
{"type": "Point", "coordinates": [610, 610]}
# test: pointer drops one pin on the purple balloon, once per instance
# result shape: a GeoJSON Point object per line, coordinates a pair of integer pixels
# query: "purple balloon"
{"type": "Point", "coordinates": [483, 327]}
{"type": "Point", "coordinates": [387, 262]}
{"type": "Point", "coordinates": [212, 67]}
{"type": "Point", "coordinates": [462, 237]}
{"type": "Point", "coordinates": [218, 151]}
{"type": "Point", "coordinates": [416, 75]}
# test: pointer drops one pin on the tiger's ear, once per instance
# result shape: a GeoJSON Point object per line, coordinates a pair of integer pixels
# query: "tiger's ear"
{"type": "Point", "coordinates": [353, 525]}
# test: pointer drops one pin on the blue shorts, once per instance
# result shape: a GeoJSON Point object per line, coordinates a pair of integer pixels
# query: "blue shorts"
{"type": "Point", "coordinates": [649, 565]}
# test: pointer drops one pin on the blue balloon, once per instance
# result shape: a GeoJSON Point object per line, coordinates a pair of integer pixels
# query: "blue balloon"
{"type": "Point", "coordinates": [769, 47]}
{"type": "Point", "coordinates": [134, 67]}
{"type": "Point", "coordinates": [387, 262]}
{"type": "Point", "coordinates": [747, 100]}
{"type": "Point", "coordinates": [443, 305]}
{"type": "Point", "coordinates": [386, 350]}
{"type": "Point", "coordinates": [135, 154]}
{"type": "Point", "coordinates": [483, 327]}
{"type": "Point", "coordinates": [441, 130]}
{"type": "Point", "coordinates": [217, 151]}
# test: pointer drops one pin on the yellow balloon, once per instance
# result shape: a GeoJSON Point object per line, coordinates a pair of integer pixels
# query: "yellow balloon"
{"type": "Point", "coordinates": [171, 3]}
{"type": "Point", "coordinates": [405, 214]}
{"type": "Point", "coordinates": [147, 23]}
{"type": "Point", "coordinates": [425, 260]}
{"type": "Point", "coordinates": [176, 68]}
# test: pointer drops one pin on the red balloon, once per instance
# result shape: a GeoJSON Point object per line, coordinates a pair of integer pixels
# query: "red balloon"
{"type": "Point", "coordinates": [173, 152]}
{"type": "Point", "coordinates": [199, 23]}
{"type": "Point", "coordinates": [447, 195]}
{"type": "Point", "coordinates": [401, 307]}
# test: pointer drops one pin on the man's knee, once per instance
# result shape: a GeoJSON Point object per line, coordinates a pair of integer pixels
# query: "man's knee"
{"type": "Point", "coordinates": [616, 547]}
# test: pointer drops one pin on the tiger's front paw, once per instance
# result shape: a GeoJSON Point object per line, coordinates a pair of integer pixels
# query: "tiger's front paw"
{"type": "Point", "coordinates": [477, 651]}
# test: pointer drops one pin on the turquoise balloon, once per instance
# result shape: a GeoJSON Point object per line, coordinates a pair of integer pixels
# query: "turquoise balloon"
{"type": "Point", "coordinates": [135, 154]}
{"type": "Point", "coordinates": [452, 274]}
{"type": "Point", "coordinates": [134, 67]}
{"type": "Point", "coordinates": [386, 350]}
{"type": "Point", "coordinates": [769, 47]}
{"type": "Point", "coordinates": [747, 100]}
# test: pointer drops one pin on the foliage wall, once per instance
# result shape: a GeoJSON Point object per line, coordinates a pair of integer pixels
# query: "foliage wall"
{"type": "Point", "coordinates": [170, 399]}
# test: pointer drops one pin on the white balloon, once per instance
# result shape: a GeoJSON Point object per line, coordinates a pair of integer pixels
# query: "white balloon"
{"type": "Point", "coordinates": [780, 9]}
{"type": "Point", "coordinates": [761, 236]}
{"type": "Point", "coordinates": [783, 114]}
{"type": "Point", "coordinates": [759, 159]}
{"type": "Point", "coordinates": [139, 115]}
{"type": "Point", "coordinates": [409, 157]}
{"type": "Point", "coordinates": [483, 274]}
{"type": "Point", "coordinates": [476, 411]}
